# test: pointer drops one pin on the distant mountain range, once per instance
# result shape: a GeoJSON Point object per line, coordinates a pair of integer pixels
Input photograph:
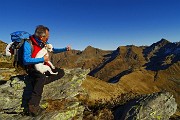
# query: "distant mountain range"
{"type": "Point", "coordinates": [112, 65]}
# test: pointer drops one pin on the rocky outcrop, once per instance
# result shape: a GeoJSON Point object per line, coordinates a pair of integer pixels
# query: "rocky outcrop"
{"type": "Point", "coordinates": [59, 97]}
{"type": "Point", "coordinates": [157, 106]}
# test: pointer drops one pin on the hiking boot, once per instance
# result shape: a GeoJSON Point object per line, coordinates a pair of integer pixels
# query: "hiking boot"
{"type": "Point", "coordinates": [35, 110]}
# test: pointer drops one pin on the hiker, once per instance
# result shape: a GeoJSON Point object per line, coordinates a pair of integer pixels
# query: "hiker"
{"type": "Point", "coordinates": [38, 41]}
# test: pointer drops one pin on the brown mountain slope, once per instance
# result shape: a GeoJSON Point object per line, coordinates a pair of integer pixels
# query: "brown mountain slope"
{"type": "Point", "coordinates": [128, 58]}
{"type": "Point", "coordinates": [2, 47]}
{"type": "Point", "coordinates": [112, 65]}
{"type": "Point", "coordinates": [103, 64]}
{"type": "Point", "coordinates": [145, 81]}
{"type": "Point", "coordinates": [88, 59]}
{"type": "Point", "coordinates": [155, 47]}
{"type": "Point", "coordinates": [140, 81]}
{"type": "Point", "coordinates": [98, 89]}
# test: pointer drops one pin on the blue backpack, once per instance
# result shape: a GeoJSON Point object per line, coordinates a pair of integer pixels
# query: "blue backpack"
{"type": "Point", "coordinates": [18, 38]}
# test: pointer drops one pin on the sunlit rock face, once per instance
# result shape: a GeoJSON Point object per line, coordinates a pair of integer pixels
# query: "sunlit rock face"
{"type": "Point", "coordinates": [157, 106]}
{"type": "Point", "coordinates": [59, 97]}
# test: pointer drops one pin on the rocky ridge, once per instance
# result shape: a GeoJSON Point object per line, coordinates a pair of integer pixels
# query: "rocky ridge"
{"type": "Point", "coordinates": [111, 65]}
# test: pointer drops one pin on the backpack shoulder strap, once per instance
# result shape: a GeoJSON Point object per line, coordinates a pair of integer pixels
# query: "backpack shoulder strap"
{"type": "Point", "coordinates": [30, 42]}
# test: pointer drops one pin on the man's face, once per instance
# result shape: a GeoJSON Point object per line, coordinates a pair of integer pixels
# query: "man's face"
{"type": "Point", "coordinates": [44, 39]}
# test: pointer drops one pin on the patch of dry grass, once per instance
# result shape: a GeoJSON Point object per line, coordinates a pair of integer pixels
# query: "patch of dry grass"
{"type": "Point", "coordinates": [54, 105]}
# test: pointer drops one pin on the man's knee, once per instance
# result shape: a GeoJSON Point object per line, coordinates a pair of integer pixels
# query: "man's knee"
{"type": "Point", "coordinates": [61, 72]}
{"type": "Point", "coordinates": [41, 77]}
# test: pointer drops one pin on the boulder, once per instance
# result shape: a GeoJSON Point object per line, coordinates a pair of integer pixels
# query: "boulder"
{"type": "Point", "coordinates": [59, 97]}
{"type": "Point", "coordinates": [156, 106]}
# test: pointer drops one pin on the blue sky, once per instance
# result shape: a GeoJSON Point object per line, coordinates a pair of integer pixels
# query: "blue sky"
{"type": "Point", "coordinates": [104, 24]}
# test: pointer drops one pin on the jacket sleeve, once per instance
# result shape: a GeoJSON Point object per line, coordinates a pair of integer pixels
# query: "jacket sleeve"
{"type": "Point", "coordinates": [59, 50]}
{"type": "Point", "coordinates": [27, 59]}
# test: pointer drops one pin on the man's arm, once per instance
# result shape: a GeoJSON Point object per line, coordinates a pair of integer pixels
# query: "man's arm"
{"type": "Point", "coordinates": [59, 50]}
{"type": "Point", "coordinates": [27, 59]}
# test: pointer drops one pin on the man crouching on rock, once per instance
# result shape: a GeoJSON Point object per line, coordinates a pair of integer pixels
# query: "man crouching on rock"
{"type": "Point", "coordinates": [38, 41]}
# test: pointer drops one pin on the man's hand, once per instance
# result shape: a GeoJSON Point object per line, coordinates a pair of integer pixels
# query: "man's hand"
{"type": "Point", "coordinates": [46, 58]}
{"type": "Point", "coordinates": [68, 48]}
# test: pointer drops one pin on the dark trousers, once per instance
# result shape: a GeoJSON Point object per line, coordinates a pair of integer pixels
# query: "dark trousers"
{"type": "Point", "coordinates": [39, 80]}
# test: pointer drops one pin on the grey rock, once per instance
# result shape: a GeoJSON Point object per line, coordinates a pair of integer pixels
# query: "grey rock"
{"type": "Point", "coordinates": [157, 106]}
{"type": "Point", "coordinates": [15, 93]}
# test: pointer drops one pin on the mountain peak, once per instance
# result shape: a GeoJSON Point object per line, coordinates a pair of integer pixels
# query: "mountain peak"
{"type": "Point", "coordinates": [89, 48]}
{"type": "Point", "coordinates": [165, 41]}
{"type": "Point", "coordinates": [159, 44]}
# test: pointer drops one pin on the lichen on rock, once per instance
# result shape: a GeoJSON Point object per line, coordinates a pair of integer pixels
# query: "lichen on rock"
{"type": "Point", "coordinates": [15, 93]}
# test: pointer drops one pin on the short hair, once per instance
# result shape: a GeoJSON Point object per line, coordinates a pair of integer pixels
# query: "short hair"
{"type": "Point", "coordinates": [41, 31]}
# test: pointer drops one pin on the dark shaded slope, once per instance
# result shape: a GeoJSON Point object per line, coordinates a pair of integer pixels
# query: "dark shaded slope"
{"type": "Point", "coordinates": [166, 55]}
